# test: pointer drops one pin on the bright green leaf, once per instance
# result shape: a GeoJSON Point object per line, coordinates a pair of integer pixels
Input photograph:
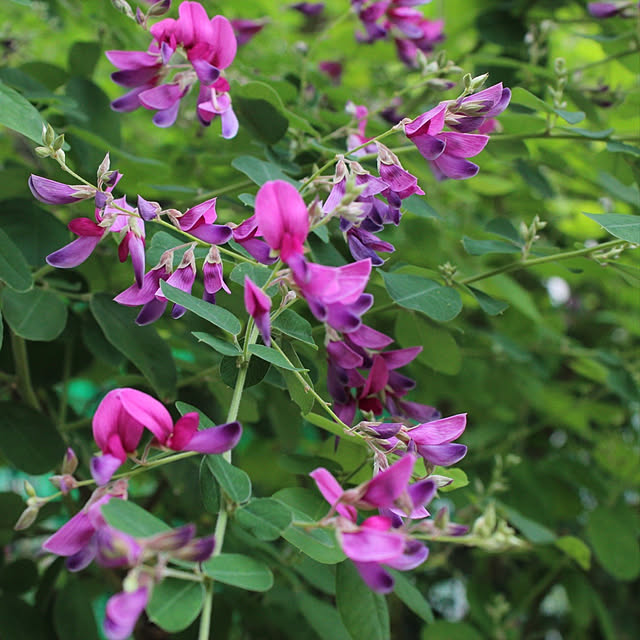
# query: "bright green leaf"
{"type": "Point", "coordinates": [239, 571]}
{"type": "Point", "coordinates": [576, 549]}
{"type": "Point", "coordinates": [260, 171]}
{"type": "Point", "coordinates": [272, 356]}
{"type": "Point", "coordinates": [625, 227]}
{"type": "Point", "coordinates": [132, 519]}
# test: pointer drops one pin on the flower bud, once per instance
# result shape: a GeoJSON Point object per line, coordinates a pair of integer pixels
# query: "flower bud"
{"type": "Point", "coordinates": [197, 550]}
{"type": "Point", "coordinates": [123, 7]}
{"type": "Point", "coordinates": [48, 134]}
{"type": "Point", "coordinates": [159, 8]}
{"type": "Point", "coordinates": [171, 540]}
{"type": "Point", "coordinates": [58, 143]}
{"type": "Point", "coordinates": [70, 462]}
{"type": "Point", "coordinates": [27, 518]}
{"type": "Point", "coordinates": [43, 152]}
{"type": "Point", "coordinates": [29, 490]}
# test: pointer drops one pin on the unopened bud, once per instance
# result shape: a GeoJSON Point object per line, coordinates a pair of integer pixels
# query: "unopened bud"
{"type": "Point", "coordinates": [123, 7]}
{"type": "Point", "coordinates": [29, 490]}
{"type": "Point", "coordinates": [64, 482]}
{"type": "Point", "coordinates": [159, 8]}
{"type": "Point", "coordinates": [60, 156]}
{"type": "Point", "coordinates": [140, 17]}
{"type": "Point", "coordinates": [171, 540]}
{"type": "Point", "coordinates": [43, 152]}
{"type": "Point", "coordinates": [560, 66]}
{"type": "Point", "coordinates": [27, 518]}
{"type": "Point", "coordinates": [197, 550]}
{"type": "Point", "coordinates": [104, 167]}
{"type": "Point", "coordinates": [58, 143]}
{"type": "Point", "coordinates": [70, 462]}
{"type": "Point", "coordinates": [441, 59]}
{"type": "Point", "coordinates": [48, 134]}
{"type": "Point", "coordinates": [477, 82]}
{"type": "Point", "coordinates": [466, 80]}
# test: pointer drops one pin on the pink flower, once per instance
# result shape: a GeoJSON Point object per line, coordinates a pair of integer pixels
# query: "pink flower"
{"type": "Point", "coordinates": [124, 414]}
{"type": "Point", "coordinates": [258, 305]}
{"type": "Point", "coordinates": [282, 218]}
{"type": "Point", "coordinates": [123, 611]}
{"type": "Point", "coordinates": [246, 29]}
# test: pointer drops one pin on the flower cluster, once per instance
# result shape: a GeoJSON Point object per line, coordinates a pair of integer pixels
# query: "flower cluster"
{"type": "Point", "coordinates": [123, 415]}
{"type": "Point", "coordinates": [209, 46]}
{"type": "Point", "coordinates": [401, 21]}
{"type": "Point", "coordinates": [387, 539]}
{"type": "Point", "coordinates": [87, 537]}
{"type": "Point", "coordinates": [447, 151]}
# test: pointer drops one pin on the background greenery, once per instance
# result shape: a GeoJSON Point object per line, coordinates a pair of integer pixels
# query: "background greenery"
{"type": "Point", "coordinates": [551, 388]}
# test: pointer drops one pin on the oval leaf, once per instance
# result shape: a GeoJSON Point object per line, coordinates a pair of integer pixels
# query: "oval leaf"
{"type": "Point", "coordinates": [234, 481]}
{"type": "Point", "coordinates": [175, 604]}
{"type": "Point", "coordinates": [132, 519]}
{"type": "Point", "coordinates": [19, 114]}
{"type": "Point", "coordinates": [625, 227]}
{"type": "Point", "coordinates": [35, 315]}
{"type": "Point", "coordinates": [14, 270]}
{"type": "Point", "coordinates": [239, 571]}
{"type": "Point", "coordinates": [266, 518]}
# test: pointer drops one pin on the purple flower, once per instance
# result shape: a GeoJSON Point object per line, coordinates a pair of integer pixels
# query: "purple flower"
{"type": "Point", "coordinates": [52, 192]}
{"type": "Point", "coordinates": [215, 101]}
{"type": "Point", "coordinates": [213, 276]}
{"type": "Point", "coordinates": [198, 221]}
{"type": "Point", "coordinates": [309, 8]}
{"type": "Point", "coordinates": [333, 69]}
{"type": "Point", "coordinates": [470, 113]}
{"type": "Point", "coordinates": [258, 305]}
{"type": "Point", "coordinates": [282, 218]}
{"type": "Point", "coordinates": [246, 29]}
{"type": "Point", "coordinates": [609, 9]}
{"type": "Point", "coordinates": [123, 611]}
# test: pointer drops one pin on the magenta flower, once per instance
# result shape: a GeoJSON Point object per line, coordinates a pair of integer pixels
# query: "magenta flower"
{"type": "Point", "coordinates": [258, 305]}
{"type": "Point", "coordinates": [182, 278]}
{"type": "Point", "coordinates": [358, 137]}
{"type": "Point", "coordinates": [213, 276]}
{"type": "Point", "coordinates": [282, 218]}
{"type": "Point", "coordinates": [333, 69]}
{"type": "Point", "coordinates": [123, 611]}
{"type": "Point", "coordinates": [309, 8]}
{"type": "Point", "coordinates": [122, 416]}
{"type": "Point", "coordinates": [215, 101]}
{"type": "Point", "coordinates": [434, 440]}
{"type": "Point", "coordinates": [198, 221]}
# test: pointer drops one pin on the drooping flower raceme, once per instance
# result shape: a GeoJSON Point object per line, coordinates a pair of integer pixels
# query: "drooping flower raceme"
{"type": "Point", "coordinates": [210, 47]}
{"type": "Point", "coordinates": [123, 415]}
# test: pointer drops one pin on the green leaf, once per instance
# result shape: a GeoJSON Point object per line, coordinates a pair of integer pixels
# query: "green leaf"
{"type": "Point", "coordinates": [28, 439]}
{"type": "Point", "coordinates": [572, 117]}
{"type": "Point", "coordinates": [576, 549]}
{"type": "Point", "coordinates": [141, 345]}
{"type": "Point", "coordinates": [266, 518]}
{"type": "Point", "coordinates": [20, 620]}
{"type": "Point", "coordinates": [19, 576]}
{"type": "Point", "coordinates": [625, 227]}
{"type": "Point", "coordinates": [37, 315]}
{"type": "Point", "coordinates": [489, 305]}
{"type": "Point", "coordinates": [175, 604]}
{"type": "Point", "coordinates": [619, 190]}
{"type": "Point", "coordinates": [440, 351]}
{"type": "Point", "coordinates": [532, 531]}
{"type": "Point", "coordinates": [409, 594]}
{"type": "Point", "coordinates": [256, 272]}
{"type": "Point", "coordinates": [221, 346]}
{"type": "Point", "coordinates": [613, 537]}
{"type": "Point", "coordinates": [482, 247]}
{"type": "Point", "coordinates": [429, 297]}
{"type": "Point", "coordinates": [14, 270]}
{"type": "Point", "coordinates": [272, 356]}
{"type": "Point", "coordinates": [527, 99]}
{"type": "Point", "coordinates": [418, 206]}
{"type": "Point", "coordinates": [83, 57]}
{"type": "Point", "coordinates": [322, 617]}
{"type": "Point", "coordinates": [621, 147]}
{"type": "Point", "coordinates": [299, 392]}
{"type": "Point", "coordinates": [239, 571]}
{"type": "Point", "coordinates": [256, 372]}
{"type": "Point", "coordinates": [458, 476]}
{"type": "Point", "coordinates": [235, 482]}
{"type": "Point", "coordinates": [333, 427]}
{"type": "Point", "coordinates": [504, 228]}
{"type": "Point", "coordinates": [262, 120]}
{"type": "Point", "coordinates": [534, 177]}
{"type": "Point", "coordinates": [260, 171]}
{"type": "Point", "coordinates": [212, 313]}
{"type": "Point", "coordinates": [308, 506]}
{"type": "Point", "coordinates": [594, 135]}
{"type": "Point", "coordinates": [19, 114]}
{"type": "Point", "coordinates": [363, 612]}
{"type": "Point", "coordinates": [443, 630]}
{"type": "Point", "coordinates": [73, 617]}
{"type": "Point", "coordinates": [130, 518]}
{"type": "Point", "coordinates": [209, 489]}
{"type": "Point", "coordinates": [295, 326]}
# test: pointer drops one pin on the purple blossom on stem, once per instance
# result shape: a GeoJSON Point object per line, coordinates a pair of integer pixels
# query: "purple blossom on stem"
{"type": "Point", "coordinates": [245, 29]}
{"type": "Point", "coordinates": [122, 612]}
{"type": "Point", "coordinates": [258, 306]}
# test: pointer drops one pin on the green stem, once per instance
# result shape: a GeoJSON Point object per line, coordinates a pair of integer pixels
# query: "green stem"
{"type": "Point", "coordinates": [21, 360]}
{"type": "Point", "coordinates": [613, 56]}
{"type": "Point", "coordinates": [230, 187]}
{"type": "Point", "coordinates": [207, 609]}
{"type": "Point", "coordinates": [42, 271]}
{"type": "Point", "coordinates": [516, 266]}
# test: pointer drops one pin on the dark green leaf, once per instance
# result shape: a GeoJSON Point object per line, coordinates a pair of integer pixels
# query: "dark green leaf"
{"type": "Point", "coordinates": [322, 617]}
{"type": "Point", "coordinates": [175, 604]}
{"type": "Point", "coordinates": [83, 57]}
{"type": "Point", "coordinates": [333, 427]}
{"type": "Point", "coordinates": [73, 616]}
{"type": "Point", "coordinates": [419, 207]}
{"type": "Point", "coordinates": [20, 620]}
{"type": "Point", "coordinates": [295, 326]}
{"type": "Point", "coordinates": [272, 356]}
{"type": "Point", "coordinates": [14, 270]}
{"type": "Point", "coordinates": [429, 297]}
{"type": "Point", "coordinates": [488, 304]}
{"type": "Point", "coordinates": [363, 612]}
{"type": "Point", "coordinates": [532, 175]}
{"type": "Point", "coordinates": [613, 537]}
{"type": "Point", "coordinates": [503, 227]}
{"type": "Point", "coordinates": [239, 571]}
{"type": "Point", "coordinates": [234, 481]}
{"type": "Point", "coordinates": [256, 372]}
{"type": "Point", "coordinates": [256, 272]}
{"type": "Point", "coordinates": [443, 630]}
{"type": "Point", "coordinates": [209, 489]}
{"type": "Point", "coordinates": [481, 247]}
{"type": "Point", "coordinates": [572, 117]}
{"type": "Point", "coordinates": [629, 194]}
{"type": "Point", "coordinates": [625, 227]}
{"type": "Point", "coordinates": [141, 345]}
{"type": "Point", "coordinates": [262, 119]}
{"type": "Point", "coordinates": [28, 439]}
{"type": "Point", "coordinates": [266, 518]}
{"type": "Point", "coordinates": [409, 594]}
{"type": "Point", "coordinates": [132, 519]}
{"type": "Point", "coordinates": [37, 315]}
{"type": "Point", "coordinates": [212, 313]}
{"type": "Point", "coordinates": [260, 171]}
{"type": "Point", "coordinates": [595, 135]}
{"type": "Point", "coordinates": [621, 147]}
{"type": "Point", "coordinates": [19, 576]}
{"type": "Point", "coordinates": [526, 98]}
{"type": "Point", "coordinates": [532, 531]}
{"type": "Point", "coordinates": [19, 114]}
{"type": "Point", "coordinates": [221, 346]}
{"type": "Point", "coordinates": [300, 392]}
